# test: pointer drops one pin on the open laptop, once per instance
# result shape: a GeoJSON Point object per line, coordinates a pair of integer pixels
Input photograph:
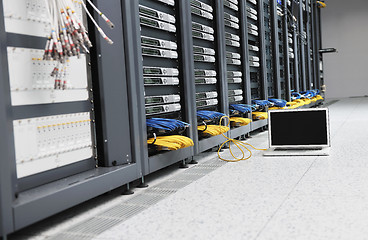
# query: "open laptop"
{"type": "Point", "coordinates": [298, 132]}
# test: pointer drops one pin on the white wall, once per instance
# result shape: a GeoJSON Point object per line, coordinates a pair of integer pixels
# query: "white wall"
{"type": "Point", "coordinates": [345, 27]}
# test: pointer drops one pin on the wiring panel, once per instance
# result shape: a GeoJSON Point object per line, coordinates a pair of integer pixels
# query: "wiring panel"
{"type": "Point", "coordinates": [50, 142]}
{"type": "Point", "coordinates": [31, 82]}
{"type": "Point", "coordinates": [30, 17]}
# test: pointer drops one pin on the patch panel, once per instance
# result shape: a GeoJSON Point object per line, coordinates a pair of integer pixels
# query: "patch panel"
{"type": "Point", "coordinates": [46, 143]}
{"type": "Point", "coordinates": [31, 82]}
{"type": "Point", "coordinates": [29, 17]}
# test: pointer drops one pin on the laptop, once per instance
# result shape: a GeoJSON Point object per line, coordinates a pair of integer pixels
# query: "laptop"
{"type": "Point", "coordinates": [298, 132]}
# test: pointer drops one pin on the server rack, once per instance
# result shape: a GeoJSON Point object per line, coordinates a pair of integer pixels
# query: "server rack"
{"type": "Point", "coordinates": [164, 72]}
{"type": "Point", "coordinates": [237, 28]}
{"type": "Point", "coordinates": [287, 51]}
{"type": "Point", "coordinates": [257, 49]}
{"type": "Point", "coordinates": [210, 73]}
{"type": "Point", "coordinates": [293, 46]}
{"type": "Point", "coordinates": [34, 113]}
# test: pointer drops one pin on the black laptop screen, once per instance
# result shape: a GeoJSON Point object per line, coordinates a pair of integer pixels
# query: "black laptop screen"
{"type": "Point", "coordinates": [289, 128]}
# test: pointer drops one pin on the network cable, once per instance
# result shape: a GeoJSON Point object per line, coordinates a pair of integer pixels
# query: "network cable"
{"type": "Point", "coordinates": [209, 115]}
{"type": "Point", "coordinates": [166, 124]}
{"type": "Point", "coordinates": [240, 145]}
{"type": "Point", "coordinates": [242, 108]}
{"type": "Point", "coordinates": [173, 142]}
{"type": "Point", "coordinates": [278, 102]}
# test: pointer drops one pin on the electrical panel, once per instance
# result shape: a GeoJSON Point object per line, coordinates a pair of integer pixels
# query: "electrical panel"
{"type": "Point", "coordinates": [234, 49]}
{"type": "Point", "coordinates": [203, 32]}
{"type": "Point", "coordinates": [254, 49]}
{"type": "Point", "coordinates": [46, 143]}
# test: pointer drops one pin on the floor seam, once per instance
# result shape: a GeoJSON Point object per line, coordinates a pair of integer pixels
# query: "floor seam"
{"type": "Point", "coordinates": [283, 202]}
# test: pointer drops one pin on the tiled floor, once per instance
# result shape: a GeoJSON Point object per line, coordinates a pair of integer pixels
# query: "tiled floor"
{"type": "Point", "coordinates": [268, 198]}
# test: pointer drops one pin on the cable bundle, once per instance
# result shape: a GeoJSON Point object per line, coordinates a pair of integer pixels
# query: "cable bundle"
{"type": "Point", "coordinates": [173, 142]}
{"type": "Point", "coordinates": [213, 130]}
{"type": "Point", "coordinates": [238, 121]}
{"type": "Point", "coordinates": [293, 105]}
{"type": "Point", "coordinates": [259, 115]}
{"type": "Point", "coordinates": [319, 97]}
{"type": "Point", "coordinates": [278, 102]}
{"type": "Point", "coordinates": [262, 103]}
{"type": "Point", "coordinates": [308, 94]}
{"type": "Point", "coordinates": [295, 96]}
{"type": "Point", "coordinates": [242, 108]}
{"type": "Point", "coordinates": [209, 115]}
{"type": "Point", "coordinates": [166, 124]}
{"type": "Point", "coordinates": [68, 34]}
{"type": "Point", "coordinates": [238, 144]}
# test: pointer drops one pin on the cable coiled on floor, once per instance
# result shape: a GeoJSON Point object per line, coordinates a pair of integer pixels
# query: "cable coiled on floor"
{"type": "Point", "coordinates": [240, 145]}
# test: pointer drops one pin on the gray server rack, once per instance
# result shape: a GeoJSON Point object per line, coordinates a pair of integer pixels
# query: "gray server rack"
{"type": "Point", "coordinates": [210, 74]}
{"type": "Point", "coordinates": [49, 148]}
{"type": "Point", "coordinates": [237, 29]}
